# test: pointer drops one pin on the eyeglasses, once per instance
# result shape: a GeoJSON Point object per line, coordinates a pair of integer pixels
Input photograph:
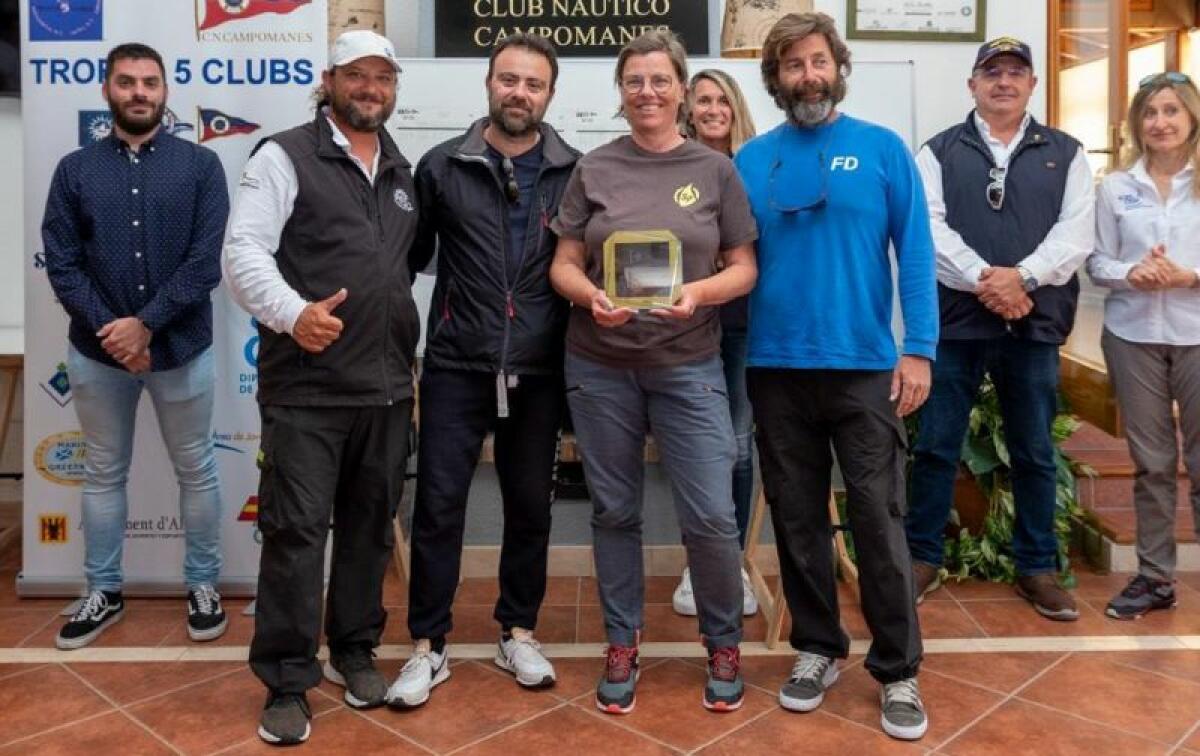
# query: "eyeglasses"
{"type": "Point", "coordinates": [791, 209]}
{"type": "Point", "coordinates": [511, 189]}
{"type": "Point", "coordinates": [995, 188]}
{"type": "Point", "coordinates": [660, 83]}
{"type": "Point", "coordinates": [1172, 76]}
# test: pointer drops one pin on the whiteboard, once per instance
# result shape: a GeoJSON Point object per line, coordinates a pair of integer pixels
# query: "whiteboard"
{"type": "Point", "coordinates": [440, 97]}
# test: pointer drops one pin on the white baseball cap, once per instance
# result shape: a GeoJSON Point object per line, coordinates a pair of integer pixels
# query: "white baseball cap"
{"type": "Point", "coordinates": [362, 43]}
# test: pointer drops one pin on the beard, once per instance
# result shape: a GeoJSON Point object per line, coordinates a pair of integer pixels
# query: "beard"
{"type": "Point", "coordinates": [803, 111]}
{"type": "Point", "coordinates": [347, 110]}
{"type": "Point", "coordinates": [133, 124]}
{"type": "Point", "coordinates": [513, 117]}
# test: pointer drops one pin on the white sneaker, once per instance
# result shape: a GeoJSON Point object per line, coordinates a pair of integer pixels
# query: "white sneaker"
{"type": "Point", "coordinates": [683, 600]}
{"type": "Point", "coordinates": [749, 600]}
{"type": "Point", "coordinates": [522, 656]}
{"type": "Point", "coordinates": [419, 675]}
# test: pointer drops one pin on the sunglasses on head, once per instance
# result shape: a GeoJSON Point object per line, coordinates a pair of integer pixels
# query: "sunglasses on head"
{"type": "Point", "coordinates": [1172, 76]}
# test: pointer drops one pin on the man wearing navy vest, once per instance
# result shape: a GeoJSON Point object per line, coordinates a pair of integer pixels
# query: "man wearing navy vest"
{"type": "Point", "coordinates": [317, 251]}
{"type": "Point", "coordinates": [1011, 208]}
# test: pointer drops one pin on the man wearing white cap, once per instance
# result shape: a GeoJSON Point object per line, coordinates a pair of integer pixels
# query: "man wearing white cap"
{"type": "Point", "coordinates": [317, 251]}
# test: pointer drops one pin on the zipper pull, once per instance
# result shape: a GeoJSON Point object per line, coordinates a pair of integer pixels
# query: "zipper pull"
{"type": "Point", "coordinates": [512, 311]}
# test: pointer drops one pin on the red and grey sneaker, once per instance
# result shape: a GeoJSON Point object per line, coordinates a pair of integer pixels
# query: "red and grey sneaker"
{"type": "Point", "coordinates": [724, 690]}
{"type": "Point", "coordinates": [615, 693]}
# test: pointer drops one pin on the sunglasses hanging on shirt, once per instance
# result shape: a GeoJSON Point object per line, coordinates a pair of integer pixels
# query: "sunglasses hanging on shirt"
{"type": "Point", "coordinates": [511, 189]}
{"type": "Point", "coordinates": [995, 188]}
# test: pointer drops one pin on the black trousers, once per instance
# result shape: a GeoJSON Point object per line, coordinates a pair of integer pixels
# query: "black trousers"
{"type": "Point", "coordinates": [799, 414]}
{"type": "Point", "coordinates": [317, 462]}
{"type": "Point", "coordinates": [458, 408]}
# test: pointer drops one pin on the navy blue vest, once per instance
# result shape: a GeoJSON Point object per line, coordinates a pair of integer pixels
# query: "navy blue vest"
{"type": "Point", "coordinates": [1034, 188]}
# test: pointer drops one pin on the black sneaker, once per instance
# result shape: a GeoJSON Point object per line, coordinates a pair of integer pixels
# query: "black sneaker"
{"type": "Point", "coordinates": [97, 613]}
{"type": "Point", "coordinates": [353, 668]}
{"type": "Point", "coordinates": [286, 719]}
{"type": "Point", "coordinates": [1141, 595]}
{"type": "Point", "coordinates": [206, 619]}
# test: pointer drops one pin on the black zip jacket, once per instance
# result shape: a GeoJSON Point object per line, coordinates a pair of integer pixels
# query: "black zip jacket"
{"type": "Point", "coordinates": [483, 317]}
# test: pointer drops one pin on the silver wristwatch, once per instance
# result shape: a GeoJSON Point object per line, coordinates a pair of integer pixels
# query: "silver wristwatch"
{"type": "Point", "coordinates": [1028, 282]}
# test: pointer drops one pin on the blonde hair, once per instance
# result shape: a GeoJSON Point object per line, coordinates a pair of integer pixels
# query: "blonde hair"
{"type": "Point", "coordinates": [1189, 96]}
{"type": "Point", "coordinates": [742, 129]}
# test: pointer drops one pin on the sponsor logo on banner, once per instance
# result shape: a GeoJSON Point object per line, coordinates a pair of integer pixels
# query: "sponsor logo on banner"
{"type": "Point", "coordinates": [59, 458]}
{"type": "Point", "coordinates": [248, 380]}
{"type": "Point", "coordinates": [53, 528]}
{"type": "Point", "coordinates": [249, 513]}
{"type": "Point", "coordinates": [210, 13]}
{"type": "Point", "coordinates": [215, 124]}
{"type": "Point", "coordinates": [66, 20]}
{"type": "Point", "coordinates": [224, 441]}
{"type": "Point", "coordinates": [58, 387]}
{"type": "Point", "coordinates": [95, 125]}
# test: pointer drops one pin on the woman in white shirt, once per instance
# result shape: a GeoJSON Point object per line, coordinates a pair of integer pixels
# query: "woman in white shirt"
{"type": "Point", "coordinates": [1148, 254]}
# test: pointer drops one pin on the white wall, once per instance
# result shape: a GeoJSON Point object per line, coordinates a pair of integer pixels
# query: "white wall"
{"type": "Point", "coordinates": [942, 68]}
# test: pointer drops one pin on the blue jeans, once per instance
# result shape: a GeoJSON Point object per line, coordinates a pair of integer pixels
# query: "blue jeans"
{"type": "Point", "coordinates": [733, 357]}
{"type": "Point", "coordinates": [1025, 374]}
{"type": "Point", "coordinates": [686, 409]}
{"type": "Point", "coordinates": [106, 401]}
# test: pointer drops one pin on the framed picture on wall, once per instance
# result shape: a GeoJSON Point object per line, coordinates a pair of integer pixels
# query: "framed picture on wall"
{"type": "Point", "coordinates": [917, 20]}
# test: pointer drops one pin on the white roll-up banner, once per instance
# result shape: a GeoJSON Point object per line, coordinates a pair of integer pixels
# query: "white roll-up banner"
{"type": "Point", "coordinates": [237, 71]}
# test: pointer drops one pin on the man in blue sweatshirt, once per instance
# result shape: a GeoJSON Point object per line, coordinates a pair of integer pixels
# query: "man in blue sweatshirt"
{"type": "Point", "coordinates": [830, 194]}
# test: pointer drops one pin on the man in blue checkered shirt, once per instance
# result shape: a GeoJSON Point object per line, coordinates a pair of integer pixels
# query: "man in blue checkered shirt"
{"type": "Point", "coordinates": [132, 233]}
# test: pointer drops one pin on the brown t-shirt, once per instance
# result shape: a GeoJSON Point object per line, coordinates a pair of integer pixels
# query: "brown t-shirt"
{"type": "Point", "coordinates": [692, 191]}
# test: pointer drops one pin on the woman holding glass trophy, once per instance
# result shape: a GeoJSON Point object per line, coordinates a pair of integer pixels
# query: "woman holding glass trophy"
{"type": "Point", "coordinates": [654, 233]}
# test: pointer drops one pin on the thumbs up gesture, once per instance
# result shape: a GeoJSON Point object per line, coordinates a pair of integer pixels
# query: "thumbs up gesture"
{"type": "Point", "coordinates": [317, 327]}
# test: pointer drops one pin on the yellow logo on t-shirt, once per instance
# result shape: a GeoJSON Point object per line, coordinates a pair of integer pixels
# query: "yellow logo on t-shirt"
{"type": "Point", "coordinates": [686, 196]}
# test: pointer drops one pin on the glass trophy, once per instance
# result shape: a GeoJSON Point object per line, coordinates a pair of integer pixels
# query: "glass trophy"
{"type": "Point", "coordinates": [643, 269]}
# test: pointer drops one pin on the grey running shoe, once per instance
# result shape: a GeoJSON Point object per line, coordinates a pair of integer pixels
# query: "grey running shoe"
{"type": "Point", "coordinates": [353, 668]}
{"type": "Point", "coordinates": [903, 713]}
{"type": "Point", "coordinates": [926, 579]}
{"type": "Point", "coordinates": [1047, 597]}
{"type": "Point", "coordinates": [99, 611]}
{"type": "Point", "coordinates": [812, 674]}
{"type": "Point", "coordinates": [616, 691]}
{"type": "Point", "coordinates": [1142, 595]}
{"type": "Point", "coordinates": [724, 690]}
{"type": "Point", "coordinates": [285, 719]}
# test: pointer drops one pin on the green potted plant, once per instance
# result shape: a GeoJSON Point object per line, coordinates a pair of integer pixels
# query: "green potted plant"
{"type": "Point", "coordinates": [985, 550]}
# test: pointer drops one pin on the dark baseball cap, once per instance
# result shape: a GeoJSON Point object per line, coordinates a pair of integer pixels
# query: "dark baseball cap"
{"type": "Point", "coordinates": [1003, 46]}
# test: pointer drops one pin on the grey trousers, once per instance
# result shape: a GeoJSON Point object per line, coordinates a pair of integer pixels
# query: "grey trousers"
{"type": "Point", "coordinates": [1148, 378]}
{"type": "Point", "coordinates": [686, 409]}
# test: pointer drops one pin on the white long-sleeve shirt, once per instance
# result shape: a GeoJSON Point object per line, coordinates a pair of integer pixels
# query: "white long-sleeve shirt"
{"type": "Point", "coordinates": [1130, 219]}
{"type": "Point", "coordinates": [1054, 261]}
{"type": "Point", "coordinates": [262, 206]}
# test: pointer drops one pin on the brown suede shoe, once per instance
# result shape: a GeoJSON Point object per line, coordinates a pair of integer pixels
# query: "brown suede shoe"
{"type": "Point", "coordinates": [926, 579]}
{"type": "Point", "coordinates": [1050, 600]}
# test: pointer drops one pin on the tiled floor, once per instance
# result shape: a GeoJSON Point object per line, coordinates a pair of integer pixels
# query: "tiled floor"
{"type": "Point", "coordinates": [1057, 699]}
